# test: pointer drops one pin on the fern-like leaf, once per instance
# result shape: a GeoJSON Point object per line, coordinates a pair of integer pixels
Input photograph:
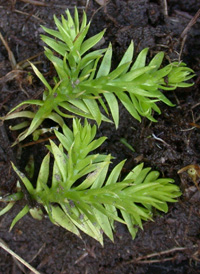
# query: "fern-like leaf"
{"type": "Point", "coordinates": [81, 195]}
{"type": "Point", "coordinates": [85, 86]}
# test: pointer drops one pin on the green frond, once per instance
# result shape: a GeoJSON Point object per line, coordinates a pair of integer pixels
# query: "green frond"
{"type": "Point", "coordinates": [81, 195]}
{"type": "Point", "coordinates": [86, 85]}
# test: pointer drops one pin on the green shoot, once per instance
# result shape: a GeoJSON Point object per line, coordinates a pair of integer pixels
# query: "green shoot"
{"type": "Point", "coordinates": [85, 86]}
{"type": "Point", "coordinates": [81, 195]}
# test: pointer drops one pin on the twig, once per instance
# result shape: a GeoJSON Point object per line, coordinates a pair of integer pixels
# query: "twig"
{"type": "Point", "coordinates": [67, 6]}
{"type": "Point", "coordinates": [160, 140]}
{"type": "Point", "coordinates": [184, 14]}
{"type": "Point", "coordinates": [194, 125]}
{"type": "Point", "coordinates": [87, 4]}
{"type": "Point", "coordinates": [174, 249]}
{"type": "Point", "coordinates": [10, 54]}
{"type": "Point", "coordinates": [165, 11]}
{"type": "Point", "coordinates": [38, 141]}
{"type": "Point", "coordinates": [17, 68]}
{"type": "Point", "coordinates": [6, 248]}
{"type": "Point", "coordinates": [196, 105]}
{"type": "Point", "coordinates": [155, 261]}
{"type": "Point", "coordinates": [39, 251]}
{"type": "Point", "coordinates": [10, 75]}
{"type": "Point", "coordinates": [183, 35]}
{"type": "Point", "coordinates": [41, 4]}
{"type": "Point", "coordinates": [103, 6]}
{"type": "Point", "coordinates": [190, 24]}
{"type": "Point", "coordinates": [85, 254]}
{"type": "Point", "coordinates": [27, 14]}
{"type": "Point", "coordinates": [182, 46]}
{"type": "Point", "coordinates": [187, 129]}
{"type": "Point", "coordinates": [36, 3]}
{"type": "Point", "coordinates": [143, 259]}
{"type": "Point", "coordinates": [20, 265]}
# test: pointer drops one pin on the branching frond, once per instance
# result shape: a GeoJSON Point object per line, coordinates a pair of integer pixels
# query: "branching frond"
{"type": "Point", "coordinates": [85, 86]}
{"type": "Point", "coordinates": [81, 195]}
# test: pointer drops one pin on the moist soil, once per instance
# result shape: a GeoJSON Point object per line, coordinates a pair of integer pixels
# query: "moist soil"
{"type": "Point", "coordinates": [170, 244]}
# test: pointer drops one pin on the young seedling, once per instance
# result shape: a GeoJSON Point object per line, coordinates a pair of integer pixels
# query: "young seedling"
{"type": "Point", "coordinates": [84, 85]}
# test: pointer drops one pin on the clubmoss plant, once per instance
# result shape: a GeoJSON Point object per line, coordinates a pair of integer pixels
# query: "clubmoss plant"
{"type": "Point", "coordinates": [80, 195]}
{"type": "Point", "coordinates": [85, 85]}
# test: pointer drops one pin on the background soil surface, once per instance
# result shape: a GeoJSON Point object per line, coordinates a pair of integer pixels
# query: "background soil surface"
{"type": "Point", "coordinates": [171, 244]}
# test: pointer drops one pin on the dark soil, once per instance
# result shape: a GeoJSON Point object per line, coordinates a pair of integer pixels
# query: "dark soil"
{"type": "Point", "coordinates": [169, 245]}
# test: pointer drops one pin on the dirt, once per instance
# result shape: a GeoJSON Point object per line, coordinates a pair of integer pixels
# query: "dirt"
{"type": "Point", "coordinates": [170, 244]}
